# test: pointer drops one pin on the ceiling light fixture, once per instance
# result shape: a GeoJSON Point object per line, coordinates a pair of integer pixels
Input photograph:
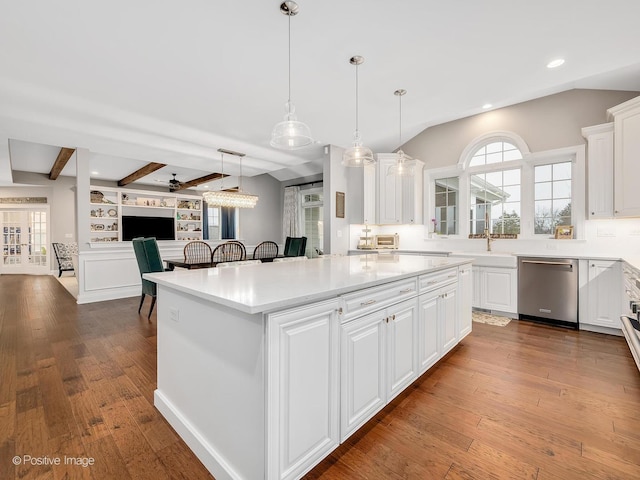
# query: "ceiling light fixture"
{"type": "Point", "coordinates": [357, 155]}
{"type": "Point", "coordinates": [555, 63]}
{"type": "Point", "coordinates": [290, 134]}
{"type": "Point", "coordinates": [402, 167]}
{"type": "Point", "coordinates": [221, 198]}
{"type": "Point", "coordinates": [487, 105]}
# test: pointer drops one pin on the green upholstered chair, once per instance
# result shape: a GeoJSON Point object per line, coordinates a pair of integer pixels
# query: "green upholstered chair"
{"type": "Point", "coordinates": [295, 246]}
{"type": "Point", "coordinates": [149, 261]}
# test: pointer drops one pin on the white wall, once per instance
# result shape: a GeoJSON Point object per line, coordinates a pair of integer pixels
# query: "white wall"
{"type": "Point", "coordinates": [264, 222]}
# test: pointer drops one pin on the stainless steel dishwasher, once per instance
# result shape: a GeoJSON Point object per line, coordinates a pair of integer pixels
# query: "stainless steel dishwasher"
{"type": "Point", "coordinates": [548, 290]}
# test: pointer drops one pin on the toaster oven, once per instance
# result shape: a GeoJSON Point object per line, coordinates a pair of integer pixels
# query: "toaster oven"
{"type": "Point", "coordinates": [386, 241]}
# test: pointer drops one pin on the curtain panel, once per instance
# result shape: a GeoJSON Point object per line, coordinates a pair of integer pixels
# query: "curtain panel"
{"type": "Point", "coordinates": [291, 218]}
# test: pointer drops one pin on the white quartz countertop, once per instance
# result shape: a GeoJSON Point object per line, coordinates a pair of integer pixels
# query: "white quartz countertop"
{"type": "Point", "coordinates": [267, 287]}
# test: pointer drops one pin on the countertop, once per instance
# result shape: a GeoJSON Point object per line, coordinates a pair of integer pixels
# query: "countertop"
{"type": "Point", "coordinates": [267, 287]}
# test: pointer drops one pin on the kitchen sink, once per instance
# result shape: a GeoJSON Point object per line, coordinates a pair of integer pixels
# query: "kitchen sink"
{"type": "Point", "coordinates": [490, 259]}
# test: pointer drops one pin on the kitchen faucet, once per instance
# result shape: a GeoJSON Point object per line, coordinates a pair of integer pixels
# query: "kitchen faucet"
{"type": "Point", "coordinates": [489, 239]}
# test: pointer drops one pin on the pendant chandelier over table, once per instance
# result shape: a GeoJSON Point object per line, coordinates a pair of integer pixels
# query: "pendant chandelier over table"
{"type": "Point", "coordinates": [232, 199]}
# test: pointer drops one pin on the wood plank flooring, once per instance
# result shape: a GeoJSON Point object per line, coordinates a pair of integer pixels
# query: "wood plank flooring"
{"type": "Point", "coordinates": [522, 401]}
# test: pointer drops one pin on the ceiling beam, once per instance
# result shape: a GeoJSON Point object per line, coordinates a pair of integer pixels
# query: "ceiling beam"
{"type": "Point", "coordinates": [63, 157]}
{"type": "Point", "coordinates": [198, 181]}
{"type": "Point", "coordinates": [141, 172]}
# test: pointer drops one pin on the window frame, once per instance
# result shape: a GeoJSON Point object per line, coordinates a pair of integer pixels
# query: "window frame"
{"type": "Point", "coordinates": [576, 154]}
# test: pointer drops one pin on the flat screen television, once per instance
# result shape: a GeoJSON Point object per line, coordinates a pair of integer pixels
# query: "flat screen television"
{"type": "Point", "coordinates": [162, 228]}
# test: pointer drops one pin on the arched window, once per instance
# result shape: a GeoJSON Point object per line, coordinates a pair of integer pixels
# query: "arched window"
{"type": "Point", "coordinates": [494, 189]}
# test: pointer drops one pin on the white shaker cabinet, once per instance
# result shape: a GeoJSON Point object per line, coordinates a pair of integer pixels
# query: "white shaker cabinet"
{"type": "Point", "coordinates": [378, 362]}
{"type": "Point", "coordinates": [363, 361]}
{"type": "Point", "coordinates": [400, 199]}
{"type": "Point", "coordinates": [626, 156]}
{"type": "Point", "coordinates": [496, 289]}
{"type": "Point", "coordinates": [599, 170]}
{"type": "Point", "coordinates": [304, 384]}
{"type": "Point", "coordinates": [465, 288]}
{"type": "Point", "coordinates": [604, 293]}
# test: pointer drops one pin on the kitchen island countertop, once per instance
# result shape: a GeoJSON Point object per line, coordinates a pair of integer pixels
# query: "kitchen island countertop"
{"type": "Point", "coordinates": [268, 287]}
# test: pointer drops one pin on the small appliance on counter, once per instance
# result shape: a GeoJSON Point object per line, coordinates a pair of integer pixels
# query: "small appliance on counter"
{"type": "Point", "coordinates": [391, 242]}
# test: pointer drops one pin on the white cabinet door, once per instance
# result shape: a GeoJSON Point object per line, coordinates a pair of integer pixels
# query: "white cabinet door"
{"type": "Point", "coordinates": [499, 289]}
{"type": "Point", "coordinates": [428, 330]}
{"type": "Point", "coordinates": [362, 383]}
{"type": "Point", "coordinates": [448, 315]}
{"type": "Point", "coordinates": [476, 299]}
{"type": "Point", "coordinates": [389, 193]}
{"type": "Point", "coordinates": [412, 195]}
{"type": "Point", "coordinates": [465, 287]}
{"type": "Point", "coordinates": [626, 154]}
{"type": "Point", "coordinates": [303, 388]}
{"type": "Point", "coordinates": [600, 170]}
{"type": "Point", "coordinates": [401, 341]}
{"type": "Point", "coordinates": [369, 195]}
{"type": "Point", "coordinates": [604, 290]}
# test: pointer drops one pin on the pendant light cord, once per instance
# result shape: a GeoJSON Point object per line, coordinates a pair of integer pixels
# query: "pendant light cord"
{"type": "Point", "coordinates": [357, 99]}
{"type": "Point", "coordinates": [222, 173]}
{"type": "Point", "coordinates": [289, 100]}
{"type": "Point", "coordinates": [400, 135]}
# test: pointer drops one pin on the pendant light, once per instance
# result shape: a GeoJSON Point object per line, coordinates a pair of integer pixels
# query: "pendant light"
{"type": "Point", "coordinates": [403, 166]}
{"type": "Point", "coordinates": [290, 134]}
{"type": "Point", "coordinates": [223, 198]}
{"type": "Point", "coordinates": [357, 155]}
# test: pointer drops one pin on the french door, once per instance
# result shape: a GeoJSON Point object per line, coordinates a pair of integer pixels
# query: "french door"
{"type": "Point", "coordinates": [25, 247]}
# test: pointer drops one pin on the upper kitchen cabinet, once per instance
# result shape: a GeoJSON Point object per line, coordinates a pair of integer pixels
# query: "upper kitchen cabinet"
{"type": "Point", "coordinates": [399, 199]}
{"type": "Point", "coordinates": [626, 158]}
{"type": "Point", "coordinates": [599, 170]}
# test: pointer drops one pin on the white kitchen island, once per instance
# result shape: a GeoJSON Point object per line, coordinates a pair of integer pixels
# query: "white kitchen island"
{"type": "Point", "coordinates": [264, 369]}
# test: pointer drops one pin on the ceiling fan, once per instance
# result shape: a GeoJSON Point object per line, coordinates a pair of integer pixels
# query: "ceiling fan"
{"type": "Point", "coordinates": [174, 183]}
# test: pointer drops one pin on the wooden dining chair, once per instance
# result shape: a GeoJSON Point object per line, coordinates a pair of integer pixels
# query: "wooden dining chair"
{"type": "Point", "coordinates": [232, 251]}
{"type": "Point", "coordinates": [266, 250]}
{"type": "Point", "coordinates": [197, 252]}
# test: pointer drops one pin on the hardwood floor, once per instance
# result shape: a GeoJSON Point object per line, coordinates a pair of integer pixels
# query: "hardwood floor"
{"type": "Point", "coordinates": [521, 401]}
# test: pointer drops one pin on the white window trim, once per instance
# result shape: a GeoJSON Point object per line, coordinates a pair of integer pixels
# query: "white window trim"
{"type": "Point", "coordinates": [529, 161]}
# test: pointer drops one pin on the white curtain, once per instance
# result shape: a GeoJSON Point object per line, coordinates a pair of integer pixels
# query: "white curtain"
{"type": "Point", "coordinates": [291, 215]}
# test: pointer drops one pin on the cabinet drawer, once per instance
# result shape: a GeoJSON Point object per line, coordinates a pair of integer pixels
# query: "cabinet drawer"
{"type": "Point", "coordinates": [431, 281]}
{"type": "Point", "coordinates": [375, 298]}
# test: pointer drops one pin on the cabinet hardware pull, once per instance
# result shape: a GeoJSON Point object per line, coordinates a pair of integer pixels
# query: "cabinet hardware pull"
{"type": "Point", "coordinates": [386, 319]}
{"type": "Point", "coordinates": [452, 276]}
{"type": "Point", "coordinates": [542, 262]}
{"type": "Point", "coordinates": [368, 302]}
{"type": "Point", "coordinates": [339, 310]}
{"type": "Point", "coordinates": [432, 282]}
{"type": "Point", "coordinates": [406, 290]}
{"type": "Point", "coordinates": [393, 317]}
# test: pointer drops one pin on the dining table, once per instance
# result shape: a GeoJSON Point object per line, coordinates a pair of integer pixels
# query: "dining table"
{"type": "Point", "coordinates": [180, 263]}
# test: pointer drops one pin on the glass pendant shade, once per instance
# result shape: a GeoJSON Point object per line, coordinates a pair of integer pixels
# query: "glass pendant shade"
{"type": "Point", "coordinates": [357, 155]}
{"type": "Point", "coordinates": [290, 133]}
{"type": "Point", "coordinates": [403, 166]}
{"type": "Point", "coordinates": [224, 198]}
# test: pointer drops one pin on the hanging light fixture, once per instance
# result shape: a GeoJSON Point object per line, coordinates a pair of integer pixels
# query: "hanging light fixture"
{"type": "Point", "coordinates": [222, 198]}
{"type": "Point", "coordinates": [357, 155]}
{"type": "Point", "coordinates": [403, 166]}
{"type": "Point", "coordinates": [290, 134]}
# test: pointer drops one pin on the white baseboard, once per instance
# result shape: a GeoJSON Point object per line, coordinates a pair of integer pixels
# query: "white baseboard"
{"type": "Point", "coordinates": [212, 460]}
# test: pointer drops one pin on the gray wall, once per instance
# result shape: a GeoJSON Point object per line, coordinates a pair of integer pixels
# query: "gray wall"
{"type": "Point", "coordinates": [545, 123]}
{"type": "Point", "coordinates": [264, 222]}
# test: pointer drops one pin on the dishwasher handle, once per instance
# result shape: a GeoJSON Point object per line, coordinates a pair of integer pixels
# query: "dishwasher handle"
{"type": "Point", "coordinates": [546, 262]}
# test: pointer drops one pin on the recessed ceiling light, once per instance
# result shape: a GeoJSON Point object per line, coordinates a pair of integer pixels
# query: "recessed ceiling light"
{"type": "Point", "coordinates": [555, 63]}
{"type": "Point", "coordinates": [95, 173]}
{"type": "Point", "coordinates": [487, 105]}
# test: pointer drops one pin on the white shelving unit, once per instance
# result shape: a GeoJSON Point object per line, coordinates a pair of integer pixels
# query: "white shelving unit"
{"type": "Point", "coordinates": [109, 205]}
